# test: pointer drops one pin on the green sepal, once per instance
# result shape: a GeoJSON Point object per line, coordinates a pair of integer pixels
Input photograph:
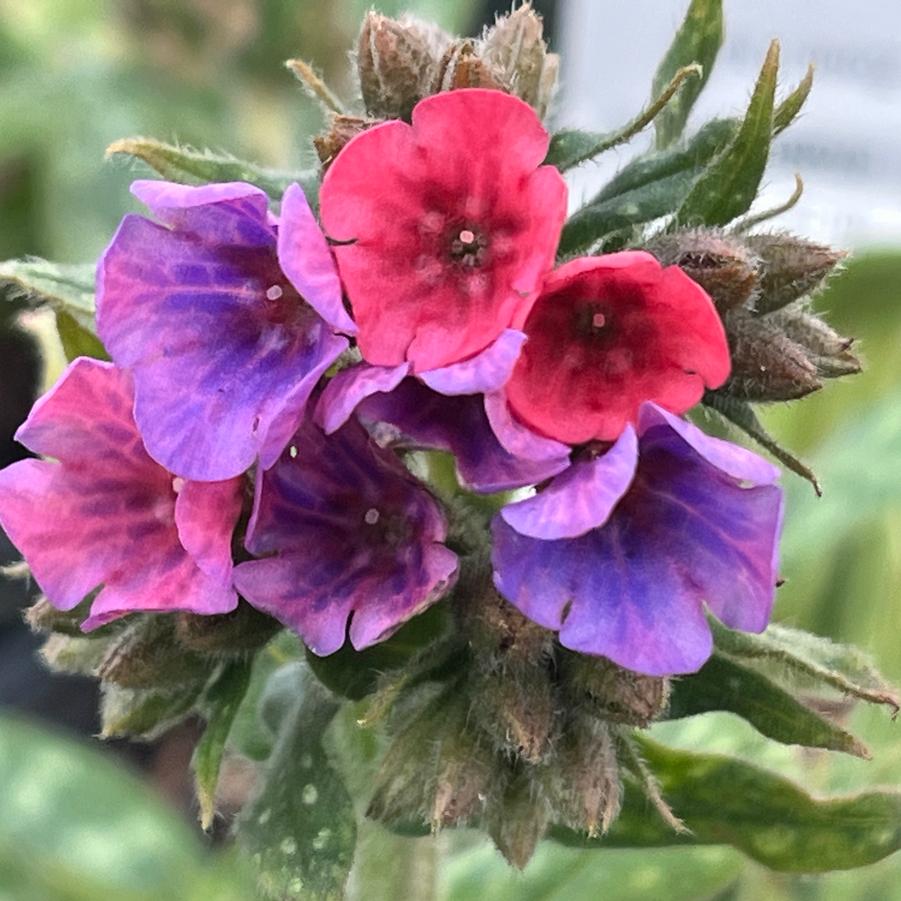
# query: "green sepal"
{"type": "Point", "coordinates": [728, 186]}
{"type": "Point", "coordinates": [724, 800]}
{"type": "Point", "coordinates": [78, 341]}
{"type": "Point", "coordinates": [810, 661]}
{"type": "Point", "coordinates": [726, 684]}
{"type": "Point", "coordinates": [300, 830]}
{"type": "Point", "coordinates": [201, 167]}
{"type": "Point", "coordinates": [698, 40]}
{"type": "Point", "coordinates": [143, 713]}
{"type": "Point", "coordinates": [220, 703]}
{"type": "Point", "coordinates": [788, 110]}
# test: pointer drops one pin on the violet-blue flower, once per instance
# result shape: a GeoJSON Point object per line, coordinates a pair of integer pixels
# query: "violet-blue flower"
{"type": "Point", "coordinates": [107, 514]}
{"type": "Point", "coordinates": [622, 553]}
{"type": "Point", "coordinates": [226, 319]}
{"type": "Point", "coordinates": [347, 535]}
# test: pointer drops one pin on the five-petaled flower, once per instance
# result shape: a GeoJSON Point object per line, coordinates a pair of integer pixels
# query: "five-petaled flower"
{"type": "Point", "coordinates": [347, 535]}
{"type": "Point", "coordinates": [226, 321]}
{"type": "Point", "coordinates": [451, 225]}
{"type": "Point", "coordinates": [107, 514]}
{"type": "Point", "coordinates": [622, 552]}
{"type": "Point", "coordinates": [607, 334]}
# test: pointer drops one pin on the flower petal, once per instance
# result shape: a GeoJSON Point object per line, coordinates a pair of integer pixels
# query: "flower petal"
{"type": "Point", "coordinates": [488, 370]}
{"type": "Point", "coordinates": [348, 388]}
{"type": "Point", "coordinates": [516, 438]}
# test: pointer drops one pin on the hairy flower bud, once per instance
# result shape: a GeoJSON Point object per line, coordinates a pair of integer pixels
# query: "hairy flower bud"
{"type": "Point", "coordinates": [244, 629]}
{"type": "Point", "coordinates": [587, 789]}
{"type": "Point", "coordinates": [721, 264]}
{"type": "Point", "coordinates": [43, 617]}
{"type": "Point", "coordinates": [827, 350]}
{"type": "Point", "coordinates": [790, 268]}
{"type": "Point", "coordinates": [518, 819]}
{"type": "Point", "coordinates": [618, 694]}
{"type": "Point", "coordinates": [147, 655]}
{"type": "Point", "coordinates": [75, 655]}
{"type": "Point", "coordinates": [515, 51]}
{"type": "Point", "coordinates": [397, 61]}
{"type": "Point", "coordinates": [462, 67]}
{"type": "Point", "coordinates": [341, 129]}
{"type": "Point", "coordinates": [465, 775]}
{"type": "Point", "coordinates": [766, 364]}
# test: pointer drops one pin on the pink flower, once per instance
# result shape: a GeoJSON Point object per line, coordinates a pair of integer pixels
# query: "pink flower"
{"type": "Point", "coordinates": [607, 334]}
{"type": "Point", "coordinates": [451, 224]}
{"type": "Point", "coordinates": [107, 514]}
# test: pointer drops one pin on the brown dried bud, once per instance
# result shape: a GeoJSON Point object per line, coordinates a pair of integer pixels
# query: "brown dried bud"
{"type": "Point", "coordinates": [719, 263]}
{"type": "Point", "coordinates": [515, 51]}
{"type": "Point", "coordinates": [790, 268]}
{"type": "Point", "coordinates": [827, 350]}
{"type": "Point", "coordinates": [588, 791]}
{"type": "Point", "coordinates": [397, 61]}
{"type": "Point", "coordinates": [618, 694]}
{"type": "Point", "coordinates": [342, 128]}
{"type": "Point", "coordinates": [461, 67]}
{"type": "Point", "coordinates": [244, 629]}
{"type": "Point", "coordinates": [766, 365]}
{"type": "Point", "coordinates": [147, 655]}
{"type": "Point", "coordinates": [518, 819]}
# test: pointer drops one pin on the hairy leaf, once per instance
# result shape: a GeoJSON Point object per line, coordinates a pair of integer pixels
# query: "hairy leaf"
{"type": "Point", "coordinates": [34, 283]}
{"type": "Point", "coordinates": [698, 40]}
{"type": "Point", "coordinates": [726, 684]}
{"type": "Point", "coordinates": [728, 186]}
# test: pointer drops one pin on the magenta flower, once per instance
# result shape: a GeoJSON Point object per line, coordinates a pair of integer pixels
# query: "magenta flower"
{"type": "Point", "coordinates": [347, 536]}
{"type": "Point", "coordinates": [107, 514]}
{"type": "Point", "coordinates": [226, 320]}
{"type": "Point", "coordinates": [622, 553]}
{"type": "Point", "coordinates": [453, 224]}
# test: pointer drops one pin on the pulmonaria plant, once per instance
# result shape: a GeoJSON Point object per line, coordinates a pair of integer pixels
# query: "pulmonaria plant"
{"type": "Point", "coordinates": [412, 397]}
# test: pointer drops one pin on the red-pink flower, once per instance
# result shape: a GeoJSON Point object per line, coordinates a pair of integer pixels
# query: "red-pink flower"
{"type": "Point", "coordinates": [451, 222]}
{"type": "Point", "coordinates": [607, 334]}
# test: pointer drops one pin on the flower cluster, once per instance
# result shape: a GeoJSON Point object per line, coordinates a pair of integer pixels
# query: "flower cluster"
{"type": "Point", "coordinates": [272, 374]}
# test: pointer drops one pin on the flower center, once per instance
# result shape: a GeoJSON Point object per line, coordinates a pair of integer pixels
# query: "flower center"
{"type": "Point", "coordinates": [468, 246]}
{"type": "Point", "coordinates": [592, 321]}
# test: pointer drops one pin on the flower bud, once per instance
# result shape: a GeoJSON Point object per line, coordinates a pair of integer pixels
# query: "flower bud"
{"type": "Point", "coordinates": [766, 364]}
{"type": "Point", "coordinates": [397, 61]}
{"type": "Point", "coordinates": [466, 773]}
{"type": "Point", "coordinates": [719, 263]}
{"type": "Point", "coordinates": [588, 790]}
{"type": "Point", "coordinates": [244, 629]}
{"type": "Point", "coordinates": [515, 51]}
{"type": "Point", "coordinates": [43, 617]}
{"type": "Point", "coordinates": [74, 655]}
{"type": "Point", "coordinates": [144, 714]}
{"type": "Point", "coordinates": [827, 350]}
{"type": "Point", "coordinates": [790, 268]}
{"type": "Point", "coordinates": [461, 67]}
{"type": "Point", "coordinates": [517, 819]}
{"type": "Point", "coordinates": [147, 655]}
{"type": "Point", "coordinates": [618, 694]}
{"type": "Point", "coordinates": [342, 128]}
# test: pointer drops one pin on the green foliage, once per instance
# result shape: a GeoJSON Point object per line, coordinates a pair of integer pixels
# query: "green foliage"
{"type": "Point", "coordinates": [78, 827]}
{"type": "Point", "coordinates": [194, 167]}
{"type": "Point", "coordinates": [220, 704]}
{"type": "Point", "coordinates": [725, 684]}
{"type": "Point", "coordinates": [301, 829]}
{"type": "Point", "coordinates": [698, 40]}
{"type": "Point", "coordinates": [728, 801]}
{"type": "Point", "coordinates": [728, 186]}
{"type": "Point", "coordinates": [143, 713]}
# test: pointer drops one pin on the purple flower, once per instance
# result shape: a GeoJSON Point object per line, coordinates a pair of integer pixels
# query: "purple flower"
{"type": "Point", "coordinates": [622, 553]}
{"type": "Point", "coordinates": [107, 514]}
{"type": "Point", "coordinates": [425, 419]}
{"type": "Point", "coordinates": [225, 319]}
{"type": "Point", "coordinates": [350, 536]}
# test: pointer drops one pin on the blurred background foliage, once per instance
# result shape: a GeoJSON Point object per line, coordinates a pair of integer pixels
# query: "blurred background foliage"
{"type": "Point", "coordinates": [74, 76]}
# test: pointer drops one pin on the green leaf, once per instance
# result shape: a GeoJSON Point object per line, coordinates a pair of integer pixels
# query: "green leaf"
{"type": "Point", "coordinates": [698, 40]}
{"type": "Point", "coordinates": [78, 341]}
{"type": "Point", "coordinates": [301, 828]}
{"type": "Point", "coordinates": [728, 186]}
{"type": "Point", "coordinates": [195, 167]}
{"type": "Point", "coordinates": [33, 283]}
{"type": "Point", "coordinates": [809, 660]}
{"type": "Point", "coordinates": [569, 148]}
{"type": "Point", "coordinates": [725, 684]}
{"type": "Point", "coordinates": [788, 110]}
{"type": "Point", "coordinates": [355, 674]}
{"type": "Point", "coordinates": [729, 801]}
{"type": "Point", "coordinates": [78, 827]}
{"type": "Point", "coordinates": [648, 187]}
{"type": "Point", "coordinates": [220, 704]}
